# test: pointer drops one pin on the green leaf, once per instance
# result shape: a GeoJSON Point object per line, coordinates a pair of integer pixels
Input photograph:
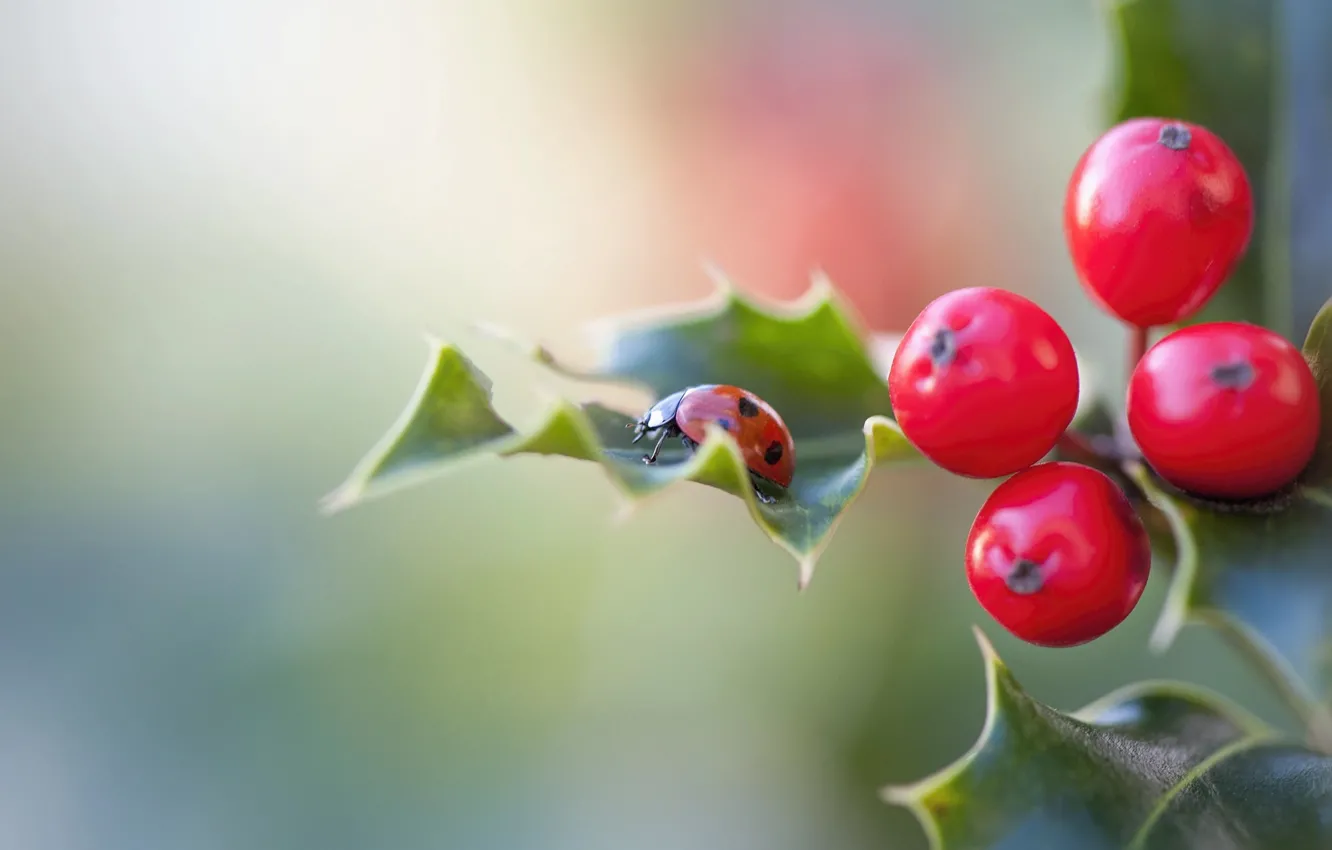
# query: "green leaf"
{"type": "Point", "coordinates": [805, 359]}
{"type": "Point", "coordinates": [1263, 580]}
{"type": "Point", "coordinates": [1154, 765]}
{"type": "Point", "coordinates": [1209, 62]}
{"type": "Point", "coordinates": [1268, 797]}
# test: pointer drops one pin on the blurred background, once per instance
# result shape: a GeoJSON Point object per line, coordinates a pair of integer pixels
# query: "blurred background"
{"type": "Point", "coordinates": [224, 227]}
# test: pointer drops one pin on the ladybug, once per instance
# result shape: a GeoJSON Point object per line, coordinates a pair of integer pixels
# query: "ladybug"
{"type": "Point", "coordinates": [763, 437]}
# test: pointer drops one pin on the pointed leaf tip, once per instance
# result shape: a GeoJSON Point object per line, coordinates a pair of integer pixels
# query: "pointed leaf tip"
{"type": "Point", "coordinates": [337, 501]}
{"type": "Point", "coordinates": [998, 679]}
{"type": "Point", "coordinates": [722, 286]}
{"type": "Point", "coordinates": [915, 795]}
{"type": "Point", "coordinates": [822, 291]}
{"type": "Point", "coordinates": [987, 650]}
{"type": "Point", "coordinates": [806, 575]}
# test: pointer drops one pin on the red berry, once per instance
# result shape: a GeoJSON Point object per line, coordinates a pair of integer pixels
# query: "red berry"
{"type": "Point", "coordinates": [1157, 214]}
{"type": "Point", "coordinates": [1226, 409]}
{"type": "Point", "coordinates": [984, 382]}
{"type": "Point", "coordinates": [1057, 555]}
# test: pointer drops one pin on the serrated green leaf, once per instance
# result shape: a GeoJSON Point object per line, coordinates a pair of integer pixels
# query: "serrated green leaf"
{"type": "Point", "coordinates": [1135, 768]}
{"type": "Point", "coordinates": [807, 360]}
{"type": "Point", "coordinates": [1209, 62]}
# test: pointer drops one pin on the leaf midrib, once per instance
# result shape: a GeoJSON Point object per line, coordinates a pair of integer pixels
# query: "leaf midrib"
{"type": "Point", "coordinates": [1198, 770]}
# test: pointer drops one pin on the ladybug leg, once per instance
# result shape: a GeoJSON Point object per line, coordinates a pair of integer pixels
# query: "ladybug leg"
{"type": "Point", "coordinates": [762, 497]}
{"type": "Point", "coordinates": [688, 443]}
{"type": "Point", "coordinates": [652, 458]}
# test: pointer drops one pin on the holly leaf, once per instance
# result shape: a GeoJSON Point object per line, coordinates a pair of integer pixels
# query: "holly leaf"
{"type": "Point", "coordinates": [1155, 765]}
{"type": "Point", "coordinates": [1208, 62]}
{"type": "Point", "coordinates": [1260, 573]}
{"type": "Point", "coordinates": [807, 359]}
{"type": "Point", "coordinates": [1262, 579]}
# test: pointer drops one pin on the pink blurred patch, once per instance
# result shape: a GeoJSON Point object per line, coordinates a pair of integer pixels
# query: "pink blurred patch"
{"type": "Point", "coordinates": [819, 140]}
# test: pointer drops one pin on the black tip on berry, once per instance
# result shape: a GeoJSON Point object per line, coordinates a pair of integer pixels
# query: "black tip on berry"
{"type": "Point", "coordinates": [943, 347]}
{"type": "Point", "coordinates": [1026, 577]}
{"type": "Point", "coordinates": [1175, 136]}
{"type": "Point", "coordinates": [1233, 376]}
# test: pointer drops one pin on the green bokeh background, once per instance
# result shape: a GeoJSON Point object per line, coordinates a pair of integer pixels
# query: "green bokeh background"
{"type": "Point", "coordinates": [223, 229]}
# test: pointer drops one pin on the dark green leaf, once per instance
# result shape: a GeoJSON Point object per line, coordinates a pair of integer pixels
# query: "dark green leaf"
{"type": "Point", "coordinates": [1135, 768]}
{"type": "Point", "coordinates": [807, 361]}
{"type": "Point", "coordinates": [1299, 230]}
{"type": "Point", "coordinates": [1263, 579]}
{"type": "Point", "coordinates": [1265, 797]}
{"type": "Point", "coordinates": [1209, 62]}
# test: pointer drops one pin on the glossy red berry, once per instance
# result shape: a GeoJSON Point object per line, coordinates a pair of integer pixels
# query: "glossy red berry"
{"type": "Point", "coordinates": [1157, 214]}
{"type": "Point", "coordinates": [983, 382]}
{"type": "Point", "coordinates": [1226, 409]}
{"type": "Point", "coordinates": [1057, 555]}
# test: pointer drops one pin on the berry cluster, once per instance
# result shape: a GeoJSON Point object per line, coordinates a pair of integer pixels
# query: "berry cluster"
{"type": "Point", "coordinates": [985, 384]}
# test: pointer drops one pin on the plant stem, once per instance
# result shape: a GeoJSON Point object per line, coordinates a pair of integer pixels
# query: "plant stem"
{"type": "Point", "coordinates": [1138, 342]}
{"type": "Point", "coordinates": [1138, 339]}
{"type": "Point", "coordinates": [1077, 445]}
{"type": "Point", "coordinates": [1094, 450]}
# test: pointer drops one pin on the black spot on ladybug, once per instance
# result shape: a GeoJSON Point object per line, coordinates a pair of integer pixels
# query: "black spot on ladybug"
{"type": "Point", "coordinates": [748, 408]}
{"type": "Point", "coordinates": [773, 453]}
{"type": "Point", "coordinates": [725, 423]}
